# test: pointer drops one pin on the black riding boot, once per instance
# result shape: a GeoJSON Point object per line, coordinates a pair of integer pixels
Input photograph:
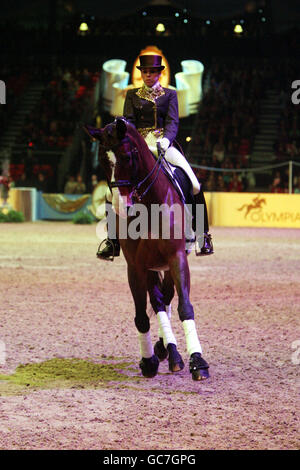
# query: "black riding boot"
{"type": "Point", "coordinates": [110, 250]}
{"type": "Point", "coordinates": [110, 247]}
{"type": "Point", "coordinates": [207, 246]}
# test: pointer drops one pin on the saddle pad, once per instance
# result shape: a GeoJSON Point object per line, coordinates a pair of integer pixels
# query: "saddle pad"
{"type": "Point", "coordinates": [180, 180]}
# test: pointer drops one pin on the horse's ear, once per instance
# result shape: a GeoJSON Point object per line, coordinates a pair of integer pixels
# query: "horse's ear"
{"type": "Point", "coordinates": [121, 128]}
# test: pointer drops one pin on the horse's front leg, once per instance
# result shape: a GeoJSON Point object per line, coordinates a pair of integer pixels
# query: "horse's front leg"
{"type": "Point", "coordinates": [166, 347]}
{"type": "Point", "coordinates": [179, 270]}
{"type": "Point", "coordinates": [138, 286]}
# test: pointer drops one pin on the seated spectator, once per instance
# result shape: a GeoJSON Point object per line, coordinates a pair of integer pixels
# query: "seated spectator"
{"type": "Point", "coordinates": [242, 176]}
{"type": "Point", "coordinates": [6, 182]}
{"type": "Point", "coordinates": [235, 184]}
{"type": "Point", "coordinates": [25, 181]}
{"type": "Point", "coordinates": [93, 183]}
{"type": "Point", "coordinates": [227, 175]}
{"type": "Point", "coordinates": [219, 151]}
{"type": "Point", "coordinates": [214, 162]}
{"type": "Point", "coordinates": [297, 188]}
{"type": "Point", "coordinates": [277, 185]}
{"type": "Point", "coordinates": [202, 173]}
{"type": "Point", "coordinates": [220, 183]}
{"type": "Point", "coordinates": [70, 186]}
{"type": "Point", "coordinates": [210, 184]}
{"type": "Point", "coordinates": [244, 151]}
{"type": "Point", "coordinates": [80, 187]}
{"type": "Point", "coordinates": [41, 184]}
{"type": "Point", "coordinates": [251, 180]}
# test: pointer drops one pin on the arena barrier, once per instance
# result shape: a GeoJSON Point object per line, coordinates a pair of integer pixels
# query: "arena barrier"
{"type": "Point", "coordinates": [36, 205]}
{"type": "Point", "coordinates": [253, 209]}
{"type": "Point", "coordinates": [25, 201]}
{"type": "Point", "coordinates": [225, 209]}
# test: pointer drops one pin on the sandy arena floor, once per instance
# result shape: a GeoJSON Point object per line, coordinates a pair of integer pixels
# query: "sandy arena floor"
{"type": "Point", "coordinates": [69, 352]}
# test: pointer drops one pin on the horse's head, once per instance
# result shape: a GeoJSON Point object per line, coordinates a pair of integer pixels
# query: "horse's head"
{"type": "Point", "coordinates": [118, 152]}
{"type": "Point", "coordinates": [110, 137]}
{"type": "Point", "coordinates": [125, 157]}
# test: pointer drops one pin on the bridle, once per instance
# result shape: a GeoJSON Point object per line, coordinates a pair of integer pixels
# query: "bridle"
{"type": "Point", "coordinates": [135, 195]}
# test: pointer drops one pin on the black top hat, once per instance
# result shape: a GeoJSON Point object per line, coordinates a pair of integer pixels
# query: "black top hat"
{"type": "Point", "coordinates": [153, 61]}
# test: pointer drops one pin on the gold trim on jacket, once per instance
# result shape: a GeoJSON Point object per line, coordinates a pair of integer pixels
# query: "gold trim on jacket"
{"type": "Point", "coordinates": [145, 94]}
{"type": "Point", "coordinates": [152, 96]}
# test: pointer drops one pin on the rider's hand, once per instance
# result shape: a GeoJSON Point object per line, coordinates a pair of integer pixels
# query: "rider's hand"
{"type": "Point", "coordinates": [164, 143]}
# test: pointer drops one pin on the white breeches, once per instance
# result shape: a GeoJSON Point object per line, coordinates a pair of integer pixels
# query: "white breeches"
{"type": "Point", "coordinates": [174, 157]}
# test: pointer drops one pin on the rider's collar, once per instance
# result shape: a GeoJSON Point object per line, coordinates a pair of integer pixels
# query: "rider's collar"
{"type": "Point", "coordinates": [154, 88]}
{"type": "Point", "coordinates": [150, 93]}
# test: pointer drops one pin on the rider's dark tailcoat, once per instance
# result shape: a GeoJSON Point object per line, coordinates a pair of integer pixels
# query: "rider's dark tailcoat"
{"type": "Point", "coordinates": [153, 110]}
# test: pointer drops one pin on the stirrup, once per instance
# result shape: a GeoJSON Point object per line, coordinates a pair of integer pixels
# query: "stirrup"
{"type": "Point", "coordinates": [115, 251]}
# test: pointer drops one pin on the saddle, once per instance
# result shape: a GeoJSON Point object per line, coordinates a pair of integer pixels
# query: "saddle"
{"type": "Point", "coordinates": [184, 188]}
{"type": "Point", "coordinates": [181, 182]}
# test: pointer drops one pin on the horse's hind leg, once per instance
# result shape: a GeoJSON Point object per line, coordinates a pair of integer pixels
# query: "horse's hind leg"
{"type": "Point", "coordinates": [167, 345]}
{"type": "Point", "coordinates": [180, 272]}
{"type": "Point", "coordinates": [138, 286]}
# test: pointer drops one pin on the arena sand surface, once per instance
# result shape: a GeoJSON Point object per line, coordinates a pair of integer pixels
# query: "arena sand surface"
{"type": "Point", "coordinates": [69, 365]}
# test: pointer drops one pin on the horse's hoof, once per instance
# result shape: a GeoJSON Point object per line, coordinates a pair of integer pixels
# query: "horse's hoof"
{"type": "Point", "coordinates": [175, 360]}
{"type": "Point", "coordinates": [149, 366]}
{"type": "Point", "coordinates": [198, 367]}
{"type": "Point", "coordinates": [160, 351]}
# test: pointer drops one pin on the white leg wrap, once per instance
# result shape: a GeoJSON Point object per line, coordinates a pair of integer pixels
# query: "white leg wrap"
{"type": "Point", "coordinates": [165, 328]}
{"type": "Point", "coordinates": [146, 348]}
{"type": "Point", "coordinates": [192, 341]}
{"type": "Point", "coordinates": [174, 157]}
{"type": "Point", "coordinates": [169, 313]}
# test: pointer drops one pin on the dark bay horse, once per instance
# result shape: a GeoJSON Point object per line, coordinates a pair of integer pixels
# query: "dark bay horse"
{"type": "Point", "coordinates": [139, 178]}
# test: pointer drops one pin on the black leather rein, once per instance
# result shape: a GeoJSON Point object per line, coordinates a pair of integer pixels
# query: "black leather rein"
{"type": "Point", "coordinates": [136, 186]}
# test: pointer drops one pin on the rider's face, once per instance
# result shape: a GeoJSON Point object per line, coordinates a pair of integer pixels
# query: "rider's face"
{"type": "Point", "coordinates": [150, 76]}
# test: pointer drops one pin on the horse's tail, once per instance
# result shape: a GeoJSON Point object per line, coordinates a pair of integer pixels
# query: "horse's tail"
{"type": "Point", "coordinates": [241, 208]}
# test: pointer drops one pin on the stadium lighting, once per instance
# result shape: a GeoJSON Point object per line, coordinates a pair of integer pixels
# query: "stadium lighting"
{"type": "Point", "coordinates": [238, 29]}
{"type": "Point", "coordinates": [177, 14]}
{"type": "Point", "coordinates": [83, 28]}
{"type": "Point", "coordinates": [160, 28]}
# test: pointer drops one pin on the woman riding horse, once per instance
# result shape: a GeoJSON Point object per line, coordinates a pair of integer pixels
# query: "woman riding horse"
{"type": "Point", "coordinates": [153, 110]}
{"type": "Point", "coordinates": [142, 182]}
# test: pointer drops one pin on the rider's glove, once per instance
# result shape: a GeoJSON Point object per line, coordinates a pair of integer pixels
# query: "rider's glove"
{"type": "Point", "coordinates": [164, 143]}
